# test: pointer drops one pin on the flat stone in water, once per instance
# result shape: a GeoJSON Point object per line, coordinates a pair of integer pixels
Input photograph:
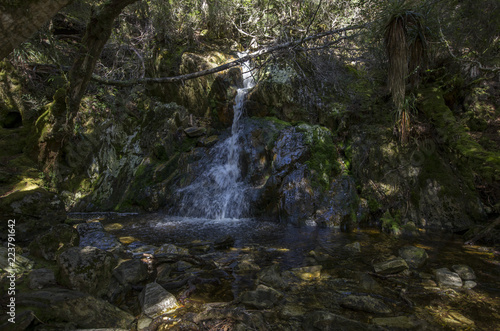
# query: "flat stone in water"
{"type": "Point", "coordinates": [465, 272]}
{"type": "Point", "coordinates": [365, 303]}
{"type": "Point", "coordinates": [446, 278]}
{"type": "Point", "coordinates": [308, 273]}
{"type": "Point", "coordinates": [391, 266]}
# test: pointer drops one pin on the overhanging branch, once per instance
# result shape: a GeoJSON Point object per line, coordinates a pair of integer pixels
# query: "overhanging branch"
{"type": "Point", "coordinates": [235, 63]}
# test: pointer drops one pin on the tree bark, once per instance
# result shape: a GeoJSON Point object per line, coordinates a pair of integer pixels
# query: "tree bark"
{"type": "Point", "coordinates": [18, 24]}
{"type": "Point", "coordinates": [96, 35]}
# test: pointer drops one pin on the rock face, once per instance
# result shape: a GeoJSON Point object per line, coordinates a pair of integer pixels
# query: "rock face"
{"type": "Point", "coordinates": [74, 309]}
{"type": "Point", "coordinates": [155, 300]}
{"type": "Point", "coordinates": [87, 269]}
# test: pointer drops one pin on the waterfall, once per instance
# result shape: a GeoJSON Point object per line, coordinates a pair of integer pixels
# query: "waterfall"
{"type": "Point", "coordinates": [219, 191]}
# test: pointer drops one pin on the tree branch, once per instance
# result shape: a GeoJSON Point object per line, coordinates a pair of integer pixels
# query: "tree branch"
{"type": "Point", "coordinates": [235, 63]}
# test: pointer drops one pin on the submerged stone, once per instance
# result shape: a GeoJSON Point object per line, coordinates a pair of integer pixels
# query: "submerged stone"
{"type": "Point", "coordinates": [446, 278]}
{"type": "Point", "coordinates": [263, 297]}
{"type": "Point", "coordinates": [391, 267]}
{"type": "Point", "coordinates": [325, 320]}
{"type": "Point", "coordinates": [355, 247]}
{"type": "Point", "coordinates": [365, 303]}
{"type": "Point", "coordinates": [400, 322]}
{"type": "Point", "coordinates": [155, 300]}
{"type": "Point", "coordinates": [308, 273]}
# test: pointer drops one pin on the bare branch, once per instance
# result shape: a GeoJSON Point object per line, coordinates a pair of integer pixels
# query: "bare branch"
{"type": "Point", "coordinates": [235, 63]}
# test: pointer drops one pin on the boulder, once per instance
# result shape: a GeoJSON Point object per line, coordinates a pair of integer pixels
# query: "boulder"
{"type": "Point", "coordinates": [155, 300]}
{"type": "Point", "coordinates": [365, 303]}
{"type": "Point", "coordinates": [131, 272]}
{"type": "Point", "coordinates": [50, 244]}
{"type": "Point", "coordinates": [415, 257]}
{"type": "Point", "coordinates": [465, 272]}
{"type": "Point", "coordinates": [355, 247]}
{"type": "Point", "coordinates": [39, 209]}
{"type": "Point", "coordinates": [40, 278]}
{"type": "Point", "coordinates": [446, 278]}
{"type": "Point", "coordinates": [392, 266]}
{"type": "Point", "coordinates": [263, 297]}
{"type": "Point", "coordinates": [87, 269]}
{"type": "Point", "coordinates": [73, 308]}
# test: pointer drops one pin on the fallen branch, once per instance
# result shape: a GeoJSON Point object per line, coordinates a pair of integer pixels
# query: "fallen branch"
{"type": "Point", "coordinates": [235, 63]}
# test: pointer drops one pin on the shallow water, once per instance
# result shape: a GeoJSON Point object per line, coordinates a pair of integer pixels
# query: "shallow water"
{"type": "Point", "coordinates": [291, 247]}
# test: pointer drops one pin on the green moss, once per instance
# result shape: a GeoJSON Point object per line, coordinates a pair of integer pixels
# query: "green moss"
{"type": "Point", "coordinates": [391, 224]}
{"type": "Point", "coordinates": [485, 163]}
{"type": "Point", "coordinates": [323, 160]}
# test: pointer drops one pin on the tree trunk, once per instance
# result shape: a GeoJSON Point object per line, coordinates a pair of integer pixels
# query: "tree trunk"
{"type": "Point", "coordinates": [96, 35]}
{"type": "Point", "coordinates": [18, 24]}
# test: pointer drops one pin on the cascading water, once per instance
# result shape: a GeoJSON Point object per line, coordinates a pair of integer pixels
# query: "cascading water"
{"type": "Point", "coordinates": [219, 191]}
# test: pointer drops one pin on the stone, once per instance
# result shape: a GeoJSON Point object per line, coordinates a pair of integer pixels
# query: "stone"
{"type": "Point", "coordinates": [155, 300]}
{"type": "Point", "coordinates": [246, 266]}
{"type": "Point", "coordinates": [60, 305]}
{"type": "Point", "coordinates": [399, 322]}
{"type": "Point", "coordinates": [131, 272]}
{"type": "Point", "coordinates": [308, 273]}
{"type": "Point", "coordinates": [469, 284]}
{"type": "Point", "coordinates": [325, 320]}
{"type": "Point", "coordinates": [39, 208]}
{"type": "Point", "coordinates": [365, 303]}
{"type": "Point", "coordinates": [370, 284]}
{"type": "Point", "coordinates": [21, 264]}
{"type": "Point", "coordinates": [40, 278]}
{"type": "Point", "coordinates": [87, 269]}
{"type": "Point", "coordinates": [224, 242]}
{"type": "Point", "coordinates": [465, 272]}
{"type": "Point", "coordinates": [172, 249]}
{"type": "Point", "coordinates": [193, 132]}
{"type": "Point", "coordinates": [447, 279]}
{"type": "Point", "coordinates": [93, 234]}
{"type": "Point", "coordinates": [263, 297]}
{"type": "Point", "coordinates": [143, 323]}
{"type": "Point", "coordinates": [391, 266]}
{"type": "Point", "coordinates": [355, 247]}
{"type": "Point", "coordinates": [272, 277]}
{"type": "Point", "coordinates": [59, 238]}
{"type": "Point", "coordinates": [415, 257]}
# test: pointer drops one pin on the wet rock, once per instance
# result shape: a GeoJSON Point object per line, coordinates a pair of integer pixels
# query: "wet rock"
{"type": "Point", "coordinates": [399, 322]}
{"type": "Point", "coordinates": [447, 279]}
{"type": "Point", "coordinates": [410, 230]}
{"type": "Point", "coordinates": [365, 303]}
{"type": "Point", "coordinates": [131, 272]}
{"type": "Point", "coordinates": [415, 257]}
{"type": "Point", "coordinates": [59, 238]}
{"type": "Point", "coordinates": [193, 132]}
{"type": "Point", "coordinates": [224, 242]}
{"type": "Point", "coordinates": [246, 266]}
{"type": "Point", "coordinates": [40, 278]}
{"type": "Point", "coordinates": [292, 310]}
{"type": "Point", "coordinates": [87, 269]}
{"type": "Point", "coordinates": [296, 204]}
{"type": "Point", "coordinates": [308, 273]}
{"type": "Point", "coordinates": [454, 319]}
{"type": "Point", "coordinates": [263, 297]}
{"type": "Point", "coordinates": [355, 247]}
{"type": "Point", "coordinates": [324, 320]}
{"type": "Point", "coordinates": [93, 234]}
{"type": "Point", "coordinates": [22, 321]}
{"type": "Point", "coordinates": [155, 300]}
{"type": "Point", "coordinates": [370, 284]}
{"type": "Point", "coordinates": [172, 249]}
{"type": "Point", "coordinates": [391, 266]}
{"type": "Point", "coordinates": [289, 149]}
{"type": "Point", "coordinates": [21, 263]}
{"type": "Point", "coordinates": [208, 141]}
{"type": "Point", "coordinates": [60, 305]}
{"type": "Point", "coordinates": [465, 272]}
{"type": "Point", "coordinates": [271, 276]}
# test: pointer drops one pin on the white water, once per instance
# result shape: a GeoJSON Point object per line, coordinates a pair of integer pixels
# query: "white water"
{"type": "Point", "coordinates": [219, 192]}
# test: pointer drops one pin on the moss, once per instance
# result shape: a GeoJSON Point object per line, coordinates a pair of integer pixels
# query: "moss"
{"type": "Point", "coordinates": [323, 160]}
{"type": "Point", "coordinates": [391, 224]}
{"type": "Point", "coordinates": [485, 163]}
